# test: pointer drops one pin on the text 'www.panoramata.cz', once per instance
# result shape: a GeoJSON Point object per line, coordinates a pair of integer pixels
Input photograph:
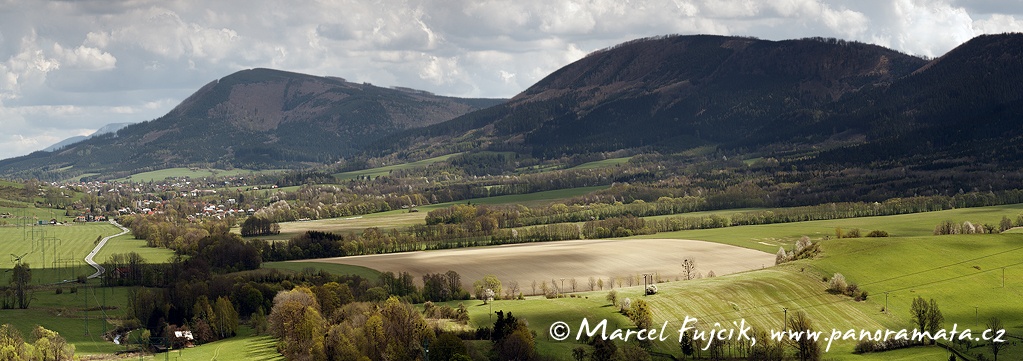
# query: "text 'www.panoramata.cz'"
{"type": "Point", "coordinates": [742, 331]}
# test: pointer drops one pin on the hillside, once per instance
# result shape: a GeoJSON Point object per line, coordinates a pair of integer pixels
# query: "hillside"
{"type": "Point", "coordinates": [825, 102]}
{"type": "Point", "coordinates": [254, 119]}
{"type": "Point", "coordinates": [677, 92]}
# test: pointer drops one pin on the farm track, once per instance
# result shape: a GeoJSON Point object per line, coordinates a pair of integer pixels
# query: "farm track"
{"type": "Point", "coordinates": [88, 259]}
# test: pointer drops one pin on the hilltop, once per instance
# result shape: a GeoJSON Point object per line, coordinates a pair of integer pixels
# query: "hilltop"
{"type": "Point", "coordinates": [253, 119]}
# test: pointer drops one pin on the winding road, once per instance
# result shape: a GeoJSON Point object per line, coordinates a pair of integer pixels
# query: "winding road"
{"type": "Point", "coordinates": [102, 242]}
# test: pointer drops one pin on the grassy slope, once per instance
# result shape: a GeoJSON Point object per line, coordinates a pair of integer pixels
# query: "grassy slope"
{"type": "Point", "coordinates": [127, 243]}
{"type": "Point", "coordinates": [603, 163]}
{"type": "Point", "coordinates": [769, 237]}
{"type": "Point", "coordinates": [760, 296]}
{"type": "Point", "coordinates": [376, 172]}
{"type": "Point", "coordinates": [162, 174]}
{"type": "Point", "coordinates": [334, 268]}
{"type": "Point", "coordinates": [245, 346]}
{"type": "Point", "coordinates": [73, 242]}
{"type": "Point", "coordinates": [64, 313]}
{"type": "Point", "coordinates": [401, 218]}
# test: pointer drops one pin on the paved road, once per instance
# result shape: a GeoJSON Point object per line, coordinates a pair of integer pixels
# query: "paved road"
{"type": "Point", "coordinates": [102, 242]}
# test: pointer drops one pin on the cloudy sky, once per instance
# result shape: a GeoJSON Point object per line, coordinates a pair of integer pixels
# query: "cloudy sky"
{"type": "Point", "coordinates": [70, 67]}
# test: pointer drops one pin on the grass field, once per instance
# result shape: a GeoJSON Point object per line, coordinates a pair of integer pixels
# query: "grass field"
{"type": "Point", "coordinates": [603, 163]}
{"type": "Point", "coordinates": [244, 346]}
{"type": "Point", "coordinates": [31, 215]}
{"type": "Point", "coordinates": [174, 173]}
{"type": "Point", "coordinates": [402, 218]}
{"type": "Point", "coordinates": [127, 243]}
{"type": "Point", "coordinates": [769, 237]}
{"type": "Point", "coordinates": [334, 268]}
{"type": "Point", "coordinates": [385, 170]}
{"type": "Point", "coordinates": [67, 244]}
{"type": "Point", "coordinates": [65, 313]}
{"type": "Point", "coordinates": [939, 267]}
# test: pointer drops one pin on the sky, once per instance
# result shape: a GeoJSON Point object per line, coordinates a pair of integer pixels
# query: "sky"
{"type": "Point", "coordinates": [69, 67]}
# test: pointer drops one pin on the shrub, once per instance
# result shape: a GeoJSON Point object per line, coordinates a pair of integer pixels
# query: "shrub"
{"type": "Point", "coordinates": [852, 290]}
{"type": "Point", "coordinates": [853, 233]}
{"type": "Point", "coordinates": [877, 233]}
{"type": "Point", "coordinates": [612, 297]}
{"type": "Point", "coordinates": [837, 284]}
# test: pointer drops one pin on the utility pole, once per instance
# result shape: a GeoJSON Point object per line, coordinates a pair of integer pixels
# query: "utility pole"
{"type": "Point", "coordinates": [85, 297]}
{"type": "Point", "coordinates": [976, 314]}
{"type": "Point", "coordinates": [786, 322]}
{"type": "Point", "coordinates": [886, 302]}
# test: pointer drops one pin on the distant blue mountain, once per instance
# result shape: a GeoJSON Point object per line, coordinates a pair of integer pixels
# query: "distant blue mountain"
{"type": "Point", "coordinates": [109, 128]}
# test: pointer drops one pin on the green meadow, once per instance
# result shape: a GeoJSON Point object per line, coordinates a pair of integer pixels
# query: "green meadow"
{"type": "Point", "coordinates": [769, 237]}
{"type": "Point", "coordinates": [334, 268]}
{"type": "Point", "coordinates": [385, 170]}
{"type": "Point", "coordinates": [54, 252]}
{"type": "Point", "coordinates": [175, 173]}
{"type": "Point", "coordinates": [79, 317]}
{"type": "Point", "coordinates": [606, 163]}
{"type": "Point", "coordinates": [402, 217]}
{"type": "Point", "coordinates": [127, 243]}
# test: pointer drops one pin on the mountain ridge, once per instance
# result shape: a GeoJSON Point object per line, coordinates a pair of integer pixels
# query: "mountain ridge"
{"type": "Point", "coordinates": [817, 99]}
{"type": "Point", "coordinates": [255, 119]}
{"type": "Point", "coordinates": [109, 128]}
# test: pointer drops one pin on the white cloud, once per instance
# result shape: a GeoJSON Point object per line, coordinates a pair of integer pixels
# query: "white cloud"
{"type": "Point", "coordinates": [84, 57]}
{"type": "Point", "coordinates": [998, 23]}
{"type": "Point", "coordinates": [928, 28]}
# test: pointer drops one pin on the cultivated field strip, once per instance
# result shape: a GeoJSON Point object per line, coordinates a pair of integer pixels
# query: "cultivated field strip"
{"type": "Point", "coordinates": [582, 259]}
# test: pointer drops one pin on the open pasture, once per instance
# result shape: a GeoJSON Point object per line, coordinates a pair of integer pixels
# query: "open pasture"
{"type": "Point", "coordinates": [622, 260]}
{"type": "Point", "coordinates": [769, 237]}
{"type": "Point", "coordinates": [54, 252]}
{"type": "Point", "coordinates": [127, 243]}
{"type": "Point", "coordinates": [402, 218]}
{"type": "Point", "coordinates": [606, 163]}
{"type": "Point", "coordinates": [78, 317]}
{"type": "Point", "coordinates": [174, 173]}
{"type": "Point", "coordinates": [385, 170]}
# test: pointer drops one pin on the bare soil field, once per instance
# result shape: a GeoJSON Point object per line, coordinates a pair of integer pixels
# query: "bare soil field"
{"type": "Point", "coordinates": [582, 259]}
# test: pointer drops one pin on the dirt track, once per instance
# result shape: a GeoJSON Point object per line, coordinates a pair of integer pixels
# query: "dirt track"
{"type": "Point", "coordinates": [580, 259]}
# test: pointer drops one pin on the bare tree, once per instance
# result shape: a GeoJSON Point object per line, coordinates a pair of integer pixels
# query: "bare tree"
{"type": "Point", "coordinates": [996, 325]}
{"type": "Point", "coordinates": [574, 283]}
{"type": "Point", "coordinates": [534, 288]}
{"type": "Point", "coordinates": [807, 348]}
{"type": "Point", "coordinates": [593, 283]}
{"type": "Point", "coordinates": [689, 268]}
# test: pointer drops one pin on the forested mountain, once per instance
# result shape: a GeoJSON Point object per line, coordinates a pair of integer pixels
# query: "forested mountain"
{"type": "Point", "coordinates": [827, 99]}
{"type": "Point", "coordinates": [258, 118]}
{"type": "Point", "coordinates": [679, 92]}
{"type": "Point", "coordinates": [818, 102]}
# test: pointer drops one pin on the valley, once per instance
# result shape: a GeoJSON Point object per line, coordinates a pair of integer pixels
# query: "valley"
{"type": "Point", "coordinates": [809, 184]}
